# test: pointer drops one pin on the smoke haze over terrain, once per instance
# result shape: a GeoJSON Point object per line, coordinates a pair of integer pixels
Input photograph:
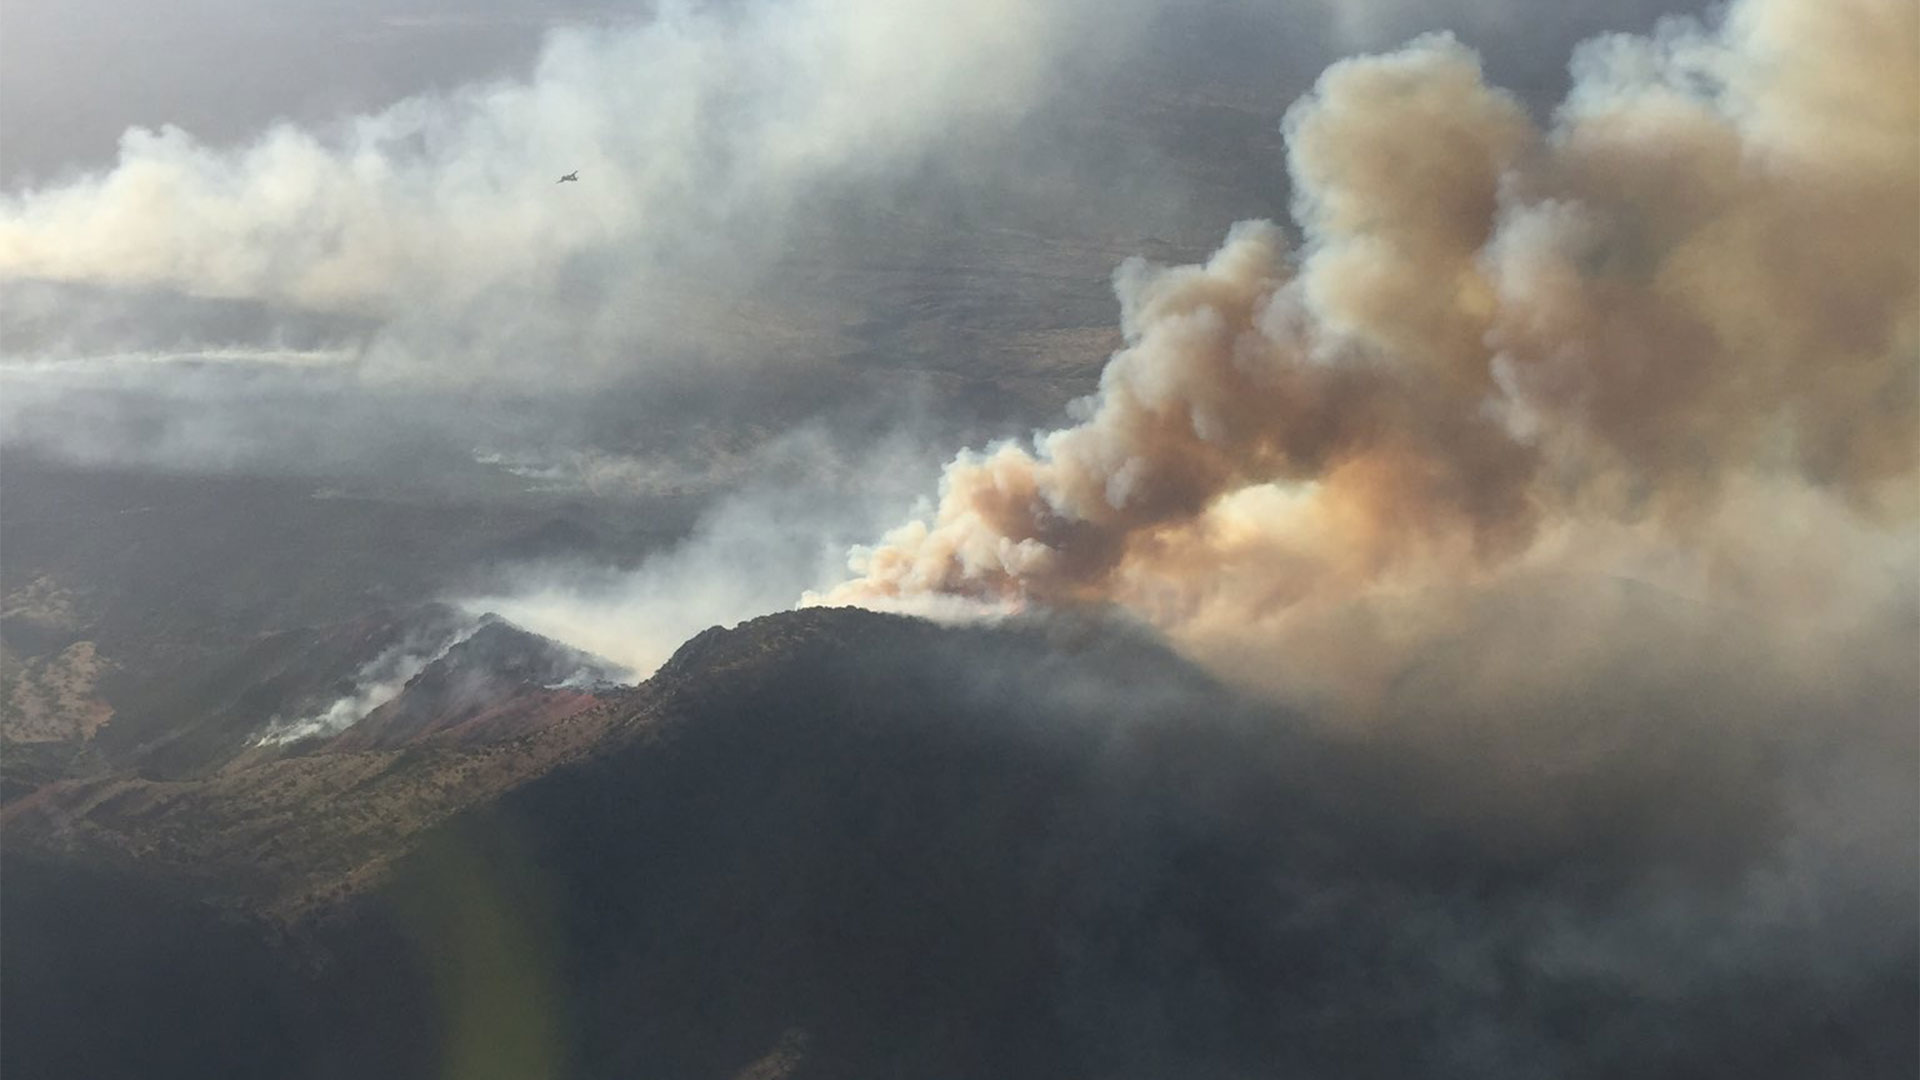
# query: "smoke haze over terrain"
{"type": "Point", "coordinates": [1540, 443]}
{"type": "Point", "coordinates": [756, 178]}
{"type": "Point", "coordinates": [1661, 334]}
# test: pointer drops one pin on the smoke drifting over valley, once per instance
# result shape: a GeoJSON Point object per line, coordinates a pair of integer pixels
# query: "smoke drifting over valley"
{"type": "Point", "coordinates": [1434, 591]}
{"type": "Point", "coordinates": [770, 194]}
{"type": "Point", "coordinates": [693, 123]}
{"type": "Point", "coordinates": [423, 251]}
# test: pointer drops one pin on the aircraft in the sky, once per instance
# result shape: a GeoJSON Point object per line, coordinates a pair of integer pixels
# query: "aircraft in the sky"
{"type": "Point", "coordinates": [574, 175]}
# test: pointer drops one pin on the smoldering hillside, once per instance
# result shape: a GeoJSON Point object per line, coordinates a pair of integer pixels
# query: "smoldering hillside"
{"type": "Point", "coordinates": [839, 844]}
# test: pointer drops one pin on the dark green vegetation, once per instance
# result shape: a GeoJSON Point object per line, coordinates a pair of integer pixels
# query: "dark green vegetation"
{"type": "Point", "coordinates": [835, 844]}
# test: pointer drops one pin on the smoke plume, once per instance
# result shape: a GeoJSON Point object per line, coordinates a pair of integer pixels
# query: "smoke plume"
{"type": "Point", "coordinates": [784, 528]}
{"type": "Point", "coordinates": [1638, 341]}
{"type": "Point", "coordinates": [376, 682]}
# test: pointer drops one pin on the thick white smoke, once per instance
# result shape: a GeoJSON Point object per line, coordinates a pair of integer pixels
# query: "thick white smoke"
{"type": "Point", "coordinates": [439, 222]}
{"type": "Point", "coordinates": [784, 528]}
{"type": "Point", "coordinates": [696, 114]}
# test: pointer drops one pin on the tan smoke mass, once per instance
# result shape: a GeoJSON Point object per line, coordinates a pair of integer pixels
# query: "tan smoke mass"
{"type": "Point", "coordinates": [1685, 310]}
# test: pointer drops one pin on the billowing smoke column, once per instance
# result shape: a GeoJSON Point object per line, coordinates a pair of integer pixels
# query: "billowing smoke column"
{"type": "Point", "coordinates": [1699, 281]}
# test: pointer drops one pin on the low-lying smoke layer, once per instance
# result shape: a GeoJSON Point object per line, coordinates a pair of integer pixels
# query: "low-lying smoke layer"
{"type": "Point", "coordinates": [440, 198]}
{"type": "Point", "coordinates": [1655, 329]}
{"type": "Point", "coordinates": [429, 239]}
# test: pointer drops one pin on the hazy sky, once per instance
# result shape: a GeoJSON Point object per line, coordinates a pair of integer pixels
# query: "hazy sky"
{"type": "Point", "coordinates": [74, 75]}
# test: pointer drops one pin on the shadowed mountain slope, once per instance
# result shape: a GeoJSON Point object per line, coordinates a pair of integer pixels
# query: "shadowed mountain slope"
{"type": "Point", "coordinates": [833, 844]}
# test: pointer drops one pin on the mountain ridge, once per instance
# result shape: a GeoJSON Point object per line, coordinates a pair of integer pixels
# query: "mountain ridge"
{"type": "Point", "coordinates": [832, 844]}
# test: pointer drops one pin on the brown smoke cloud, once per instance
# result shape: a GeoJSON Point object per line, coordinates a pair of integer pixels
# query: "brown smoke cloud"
{"type": "Point", "coordinates": [1642, 341]}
